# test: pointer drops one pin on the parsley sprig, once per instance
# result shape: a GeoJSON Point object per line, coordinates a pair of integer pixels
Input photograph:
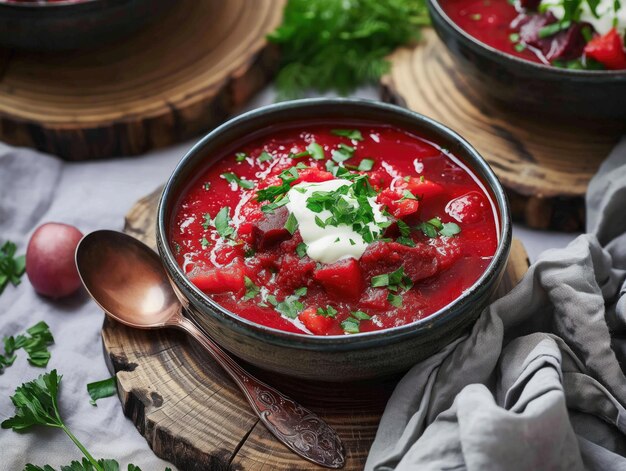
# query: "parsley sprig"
{"type": "Point", "coordinates": [434, 227]}
{"type": "Point", "coordinates": [11, 267]}
{"type": "Point", "coordinates": [36, 403]}
{"type": "Point", "coordinates": [339, 45]}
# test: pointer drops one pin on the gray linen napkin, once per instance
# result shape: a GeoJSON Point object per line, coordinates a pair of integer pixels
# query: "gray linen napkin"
{"type": "Point", "coordinates": [537, 383]}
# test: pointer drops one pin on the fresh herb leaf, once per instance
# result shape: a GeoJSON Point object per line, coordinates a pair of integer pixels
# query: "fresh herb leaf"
{"type": "Point", "coordinates": [207, 221]}
{"type": "Point", "coordinates": [271, 193]}
{"type": "Point", "coordinates": [11, 267]}
{"type": "Point", "coordinates": [240, 156]}
{"type": "Point", "coordinates": [519, 47]}
{"type": "Point", "coordinates": [299, 155]}
{"type": "Point", "coordinates": [350, 325]}
{"type": "Point", "coordinates": [300, 291]}
{"type": "Point", "coordinates": [360, 315]}
{"type": "Point", "coordinates": [394, 299]}
{"type": "Point", "coordinates": [291, 224]}
{"type": "Point", "coordinates": [338, 45]}
{"type": "Point", "coordinates": [252, 290]}
{"type": "Point", "coordinates": [365, 165]}
{"type": "Point", "coordinates": [449, 229]}
{"type": "Point", "coordinates": [353, 134]}
{"type": "Point", "coordinates": [206, 186]}
{"type": "Point", "coordinates": [476, 17]}
{"type": "Point", "coordinates": [230, 177]}
{"type": "Point", "coordinates": [342, 153]}
{"type": "Point", "coordinates": [554, 28]}
{"type": "Point", "coordinates": [35, 343]}
{"type": "Point", "coordinates": [301, 249]}
{"type": "Point", "coordinates": [102, 389]}
{"type": "Point", "coordinates": [329, 311]}
{"type": "Point", "coordinates": [404, 228]}
{"type": "Point", "coordinates": [204, 242]}
{"type": "Point", "coordinates": [434, 227]}
{"type": "Point", "coordinates": [316, 151]}
{"type": "Point", "coordinates": [380, 280]}
{"type": "Point", "coordinates": [222, 223]}
{"type": "Point", "coordinates": [265, 156]}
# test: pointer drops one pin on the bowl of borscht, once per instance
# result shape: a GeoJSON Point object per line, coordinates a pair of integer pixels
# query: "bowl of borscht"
{"type": "Point", "coordinates": [333, 239]}
{"type": "Point", "coordinates": [559, 58]}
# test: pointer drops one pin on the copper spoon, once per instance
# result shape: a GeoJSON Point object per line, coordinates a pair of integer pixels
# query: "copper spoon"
{"type": "Point", "coordinates": [127, 280]}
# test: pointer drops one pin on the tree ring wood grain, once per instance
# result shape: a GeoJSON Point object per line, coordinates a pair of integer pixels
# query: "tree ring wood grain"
{"type": "Point", "coordinates": [544, 165]}
{"type": "Point", "coordinates": [192, 414]}
{"type": "Point", "coordinates": [169, 82]}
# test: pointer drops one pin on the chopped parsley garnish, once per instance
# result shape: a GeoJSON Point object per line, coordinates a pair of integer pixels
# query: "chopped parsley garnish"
{"type": "Point", "coordinates": [353, 134]}
{"type": "Point", "coordinates": [204, 242]}
{"type": "Point", "coordinates": [35, 343]}
{"type": "Point", "coordinates": [394, 299]}
{"type": "Point", "coordinates": [207, 221]}
{"type": "Point", "coordinates": [342, 153]}
{"type": "Point", "coordinates": [290, 307]}
{"type": "Point", "coordinates": [351, 325]}
{"type": "Point", "coordinates": [407, 195]}
{"type": "Point", "coordinates": [240, 156]}
{"type": "Point", "coordinates": [434, 227]}
{"type": "Point", "coordinates": [301, 249]}
{"type": "Point", "coordinates": [222, 223]}
{"type": "Point", "coordinates": [405, 233]}
{"type": "Point", "coordinates": [300, 291]}
{"type": "Point", "coordinates": [299, 155]}
{"type": "Point", "coordinates": [349, 205]}
{"type": "Point", "coordinates": [230, 177]}
{"type": "Point", "coordinates": [101, 389]}
{"type": "Point", "coordinates": [251, 289]}
{"type": "Point", "coordinates": [316, 151]}
{"type": "Point", "coordinates": [554, 28]}
{"type": "Point", "coordinates": [271, 193]}
{"type": "Point", "coordinates": [365, 165]}
{"type": "Point", "coordinates": [291, 224]}
{"type": "Point", "coordinates": [11, 267]}
{"type": "Point", "coordinates": [206, 186]}
{"type": "Point", "coordinates": [329, 311]}
{"type": "Point", "coordinates": [265, 156]}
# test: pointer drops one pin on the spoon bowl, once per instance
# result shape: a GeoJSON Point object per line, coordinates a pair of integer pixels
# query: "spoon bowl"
{"type": "Point", "coordinates": [126, 279]}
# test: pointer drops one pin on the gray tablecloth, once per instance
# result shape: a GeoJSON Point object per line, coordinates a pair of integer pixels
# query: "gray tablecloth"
{"type": "Point", "coordinates": [35, 188]}
{"type": "Point", "coordinates": [537, 383]}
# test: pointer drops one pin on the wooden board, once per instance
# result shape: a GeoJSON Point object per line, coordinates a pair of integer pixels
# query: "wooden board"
{"type": "Point", "coordinates": [544, 165]}
{"type": "Point", "coordinates": [186, 72]}
{"type": "Point", "coordinates": [193, 415]}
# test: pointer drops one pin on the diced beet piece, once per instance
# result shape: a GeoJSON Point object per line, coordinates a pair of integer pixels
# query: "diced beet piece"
{"type": "Point", "coordinates": [447, 250]}
{"type": "Point", "coordinates": [565, 45]}
{"type": "Point", "coordinates": [419, 262]}
{"type": "Point", "coordinates": [422, 188]}
{"type": "Point", "coordinates": [376, 298]}
{"type": "Point", "coordinates": [316, 323]}
{"type": "Point", "coordinates": [608, 50]}
{"type": "Point", "coordinates": [294, 272]}
{"type": "Point", "coordinates": [229, 279]}
{"type": "Point", "coordinates": [342, 279]}
{"type": "Point", "coordinates": [270, 229]}
{"type": "Point", "coordinates": [396, 204]}
{"type": "Point", "coordinates": [469, 208]}
{"type": "Point", "coordinates": [313, 175]}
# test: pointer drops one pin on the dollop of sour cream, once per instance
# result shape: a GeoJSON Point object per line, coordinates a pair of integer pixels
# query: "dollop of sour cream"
{"type": "Point", "coordinates": [605, 9]}
{"type": "Point", "coordinates": [329, 244]}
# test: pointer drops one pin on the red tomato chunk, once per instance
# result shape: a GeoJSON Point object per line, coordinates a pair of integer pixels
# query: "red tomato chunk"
{"type": "Point", "coordinates": [235, 238]}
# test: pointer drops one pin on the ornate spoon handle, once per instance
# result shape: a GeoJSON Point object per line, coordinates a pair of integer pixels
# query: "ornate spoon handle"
{"type": "Point", "coordinates": [298, 428]}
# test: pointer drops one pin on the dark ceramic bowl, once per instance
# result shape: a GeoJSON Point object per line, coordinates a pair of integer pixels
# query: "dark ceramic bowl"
{"type": "Point", "coordinates": [339, 357]}
{"type": "Point", "coordinates": [69, 24]}
{"type": "Point", "coordinates": [529, 87]}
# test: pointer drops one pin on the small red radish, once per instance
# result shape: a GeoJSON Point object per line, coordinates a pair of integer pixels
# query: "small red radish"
{"type": "Point", "coordinates": [50, 259]}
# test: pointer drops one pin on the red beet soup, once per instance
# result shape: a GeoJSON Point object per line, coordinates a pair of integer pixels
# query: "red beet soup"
{"type": "Point", "coordinates": [582, 35]}
{"type": "Point", "coordinates": [331, 229]}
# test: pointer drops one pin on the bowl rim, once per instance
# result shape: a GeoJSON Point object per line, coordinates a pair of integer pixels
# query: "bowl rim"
{"type": "Point", "coordinates": [307, 341]}
{"type": "Point", "coordinates": [44, 5]}
{"type": "Point", "coordinates": [513, 60]}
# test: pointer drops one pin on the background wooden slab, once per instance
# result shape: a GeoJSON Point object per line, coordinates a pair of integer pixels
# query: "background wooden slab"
{"type": "Point", "coordinates": [545, 165]}
{"type": "Point", "coordinates": [183, 74]}
{"type": "Point", "coordinates": [193, 415]}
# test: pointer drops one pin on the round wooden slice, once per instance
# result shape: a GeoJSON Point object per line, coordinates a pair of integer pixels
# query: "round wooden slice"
{"type": "Point", "coordinates": [181, 75]}
{"type": "Point", "coordinates": [544, 165]}
{"type": "Point", "coordinates": [193, 415]}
